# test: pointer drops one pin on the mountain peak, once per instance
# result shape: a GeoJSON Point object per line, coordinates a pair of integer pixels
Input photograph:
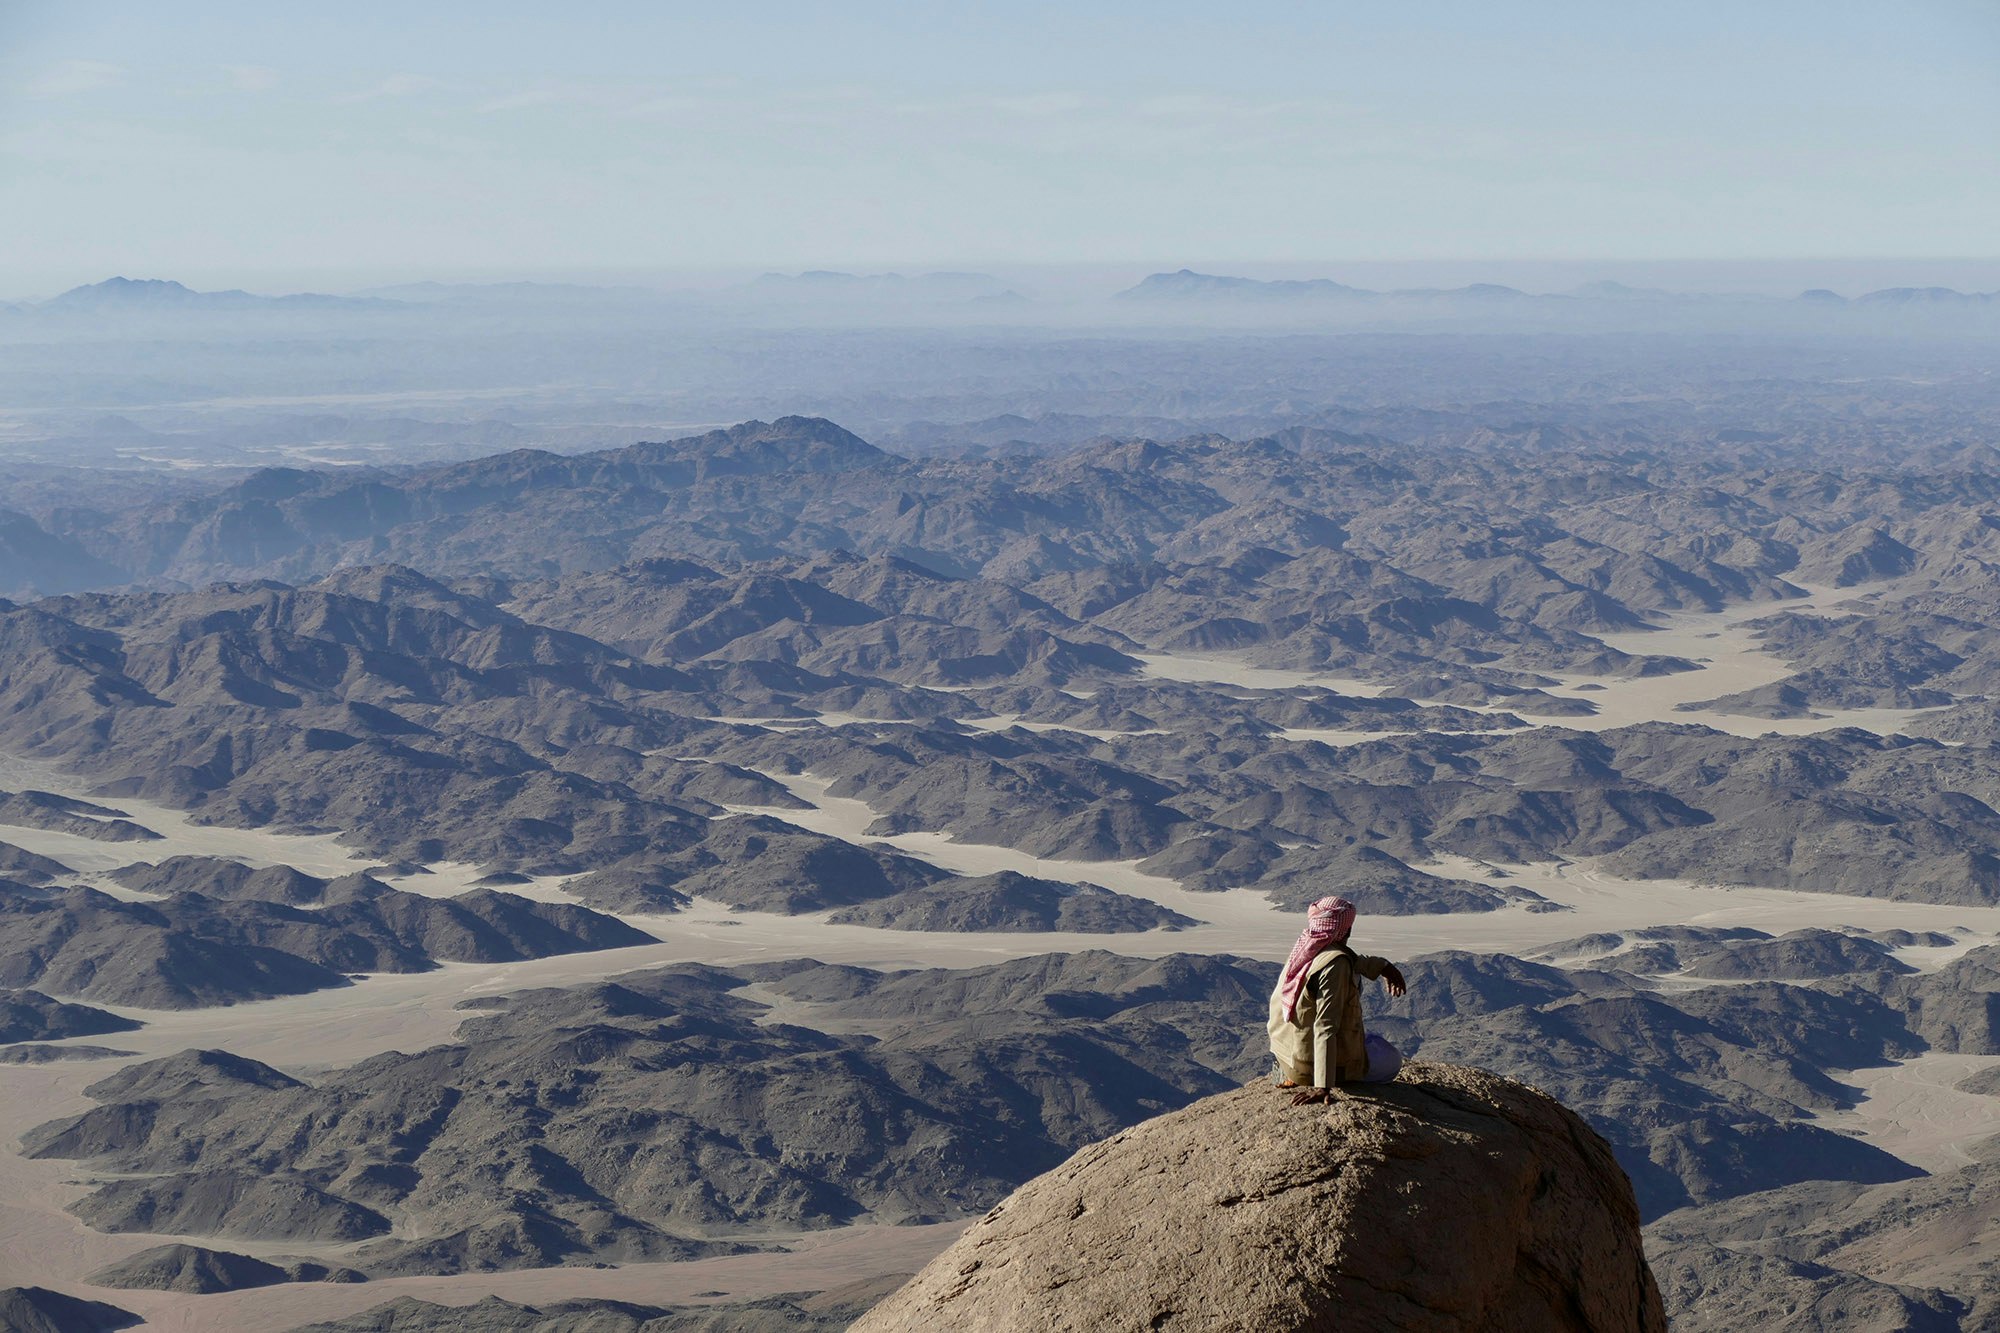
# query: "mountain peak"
{"type": "Point", "coordinates": [122, 293]}
{"type": "Point", "coordinates": [1934, 296]}
{"type": "Point", "coordinates": [122, 290]}
{"type": "Point", "coordinates": [793, 443]}
{"type": "Point", "coordinates": [1186, 284]}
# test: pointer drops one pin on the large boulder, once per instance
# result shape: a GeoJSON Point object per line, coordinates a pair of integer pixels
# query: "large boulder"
{"type": "Point", "coordinates": [1452, 1199]}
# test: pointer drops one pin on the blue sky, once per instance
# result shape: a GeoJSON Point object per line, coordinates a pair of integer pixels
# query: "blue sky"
{"type": "Point", "coordinates": [246, 143]}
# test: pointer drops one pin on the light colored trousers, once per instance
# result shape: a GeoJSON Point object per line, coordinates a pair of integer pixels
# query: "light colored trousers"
{"type": "Point", "coordinates": [1384, 1061]}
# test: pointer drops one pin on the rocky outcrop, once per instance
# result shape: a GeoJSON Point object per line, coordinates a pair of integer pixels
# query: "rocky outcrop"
{"type": "Point", "coordinates": [202, 1272]}
{"type": "Point", "coordinates": [191, 950]}
{"type": "Point", "coordinates": [21, 866]}
{"type": "Point", "coordinates": [39, 1310]}
{"type": "Point", "coordinates": [1452, 1199]}
{"type": "Point", "coordinates": [1009, 900]}
{"type": "Point", "coordinates": [794, 1312]}
{"type": "Point", "coordinates": [656, 1117]}
{"type": "Point", "coordinates": [1716, 1289]}
{"type": "Point", "coordinates": [64, 814]}
{"type": "Point", "coordinates": [1911, 1256]}
{"type": "Point", "coordinates": [43, 1055]}
{"type": "Point", "coordinates": [27, 1015]}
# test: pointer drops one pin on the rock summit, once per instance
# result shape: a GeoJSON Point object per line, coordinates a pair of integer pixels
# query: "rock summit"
{"type": "Point", "coordinates": [1452, 1199]}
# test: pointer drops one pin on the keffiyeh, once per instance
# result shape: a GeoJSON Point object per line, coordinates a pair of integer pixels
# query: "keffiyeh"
{"type": "Point", "coordinates": [1328, 922]}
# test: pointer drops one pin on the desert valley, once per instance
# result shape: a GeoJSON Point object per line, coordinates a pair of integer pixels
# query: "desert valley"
{"type": "Point", "coordinates": [697, 873]}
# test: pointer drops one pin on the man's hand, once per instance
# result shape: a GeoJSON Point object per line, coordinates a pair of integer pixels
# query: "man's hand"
{"type": "Point", "coordinates": [1310, 1097]}
{"type": "Point", "coordinates": [1392, 977]}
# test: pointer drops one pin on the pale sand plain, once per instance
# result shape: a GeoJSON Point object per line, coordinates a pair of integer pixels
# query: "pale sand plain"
{"type": "Point", "coordinates": [1721, 644]}
{"type": "Point", "coordinates": [1007, 721]}
{"type": "Point", "coordinates": [1915, 1110]}
{"type": "Point", "coordinates": [810, 1262]}
{"type": "Point", "coordinates": [411, 1011]}
{"type": "Point", "coordinates": [1911, 1109]}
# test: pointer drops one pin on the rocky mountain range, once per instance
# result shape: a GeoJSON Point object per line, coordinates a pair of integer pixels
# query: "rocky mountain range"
{"type": "Point", "coordinates": [930, 782]}
{"type": "Point", "coordinates": [1443, 527]}
{"type": "Point", "coordinates": [1187, 285]}
{"type": "Point", "coordinates": [660, 1115]}
{"type": "Point", "coordinates": [190, 950]}
{"type": "Point", "coordinates": [391, 707]}
{"type": "Point", "coordinates": [799, 1312]}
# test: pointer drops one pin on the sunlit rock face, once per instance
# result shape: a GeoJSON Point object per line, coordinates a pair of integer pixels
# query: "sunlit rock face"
{"type": "Point", "coordinates": [1451, 1199]}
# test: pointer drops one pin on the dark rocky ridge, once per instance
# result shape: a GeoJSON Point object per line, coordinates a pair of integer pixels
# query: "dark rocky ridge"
{"type": "Point", "coordinates": [805, 1312]}
{"type": "Point", "coordinates": [530, 748]}
{"type": "Point", "coordinates": [540, 701]}
{"type": "Point", "coordinates": [1739, 953]}
{"type": "Point", "coordinates": [63, 814]}
{"type": "Point", "coordinates": [1011, 901]}
{"type": "Point", "coordinates": [25, 867]}
{"type": "Point", "coordinates": [663, 1115]}
{"type": "Point", "coordinates": [1703, 1094]}
{"type": "Point", "coordinates": [27, 1015]}
{"type": "Point", "coordinates": [40, 1310]}
{"type": "Point", "coordinates": [666, 1114]}
{"type": "Point", "coordinates": [1721, 1289]}
{"type": "Point", "coordinates": [1915, 1254]}
{"type": "Point", "coordinates": [41, 1055]}
{"type": "Point", "coordinates": [189, 950]}
{"type": "Point", "coordinates": [804, 488]}
{"type": "Point", "coordinates": [200, 1271]}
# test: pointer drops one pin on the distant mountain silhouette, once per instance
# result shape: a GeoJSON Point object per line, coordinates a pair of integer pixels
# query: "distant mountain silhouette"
{"type": "Point", "coordinates": [1935, 296]}
{"type": "Point", "coordinates": [1187, 285]}
{"type": "Point", "coordinates": [120, 294]}
{"type": "Point", "coordinates": [1923, 297]}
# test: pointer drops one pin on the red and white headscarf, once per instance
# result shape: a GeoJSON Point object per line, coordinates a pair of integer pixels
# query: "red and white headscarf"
{"type": "Point", "coordinates": [1328, 922]}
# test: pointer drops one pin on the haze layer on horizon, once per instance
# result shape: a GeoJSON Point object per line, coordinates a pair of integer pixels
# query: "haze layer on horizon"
{"type": "Point", "coordinates": [233, 144]}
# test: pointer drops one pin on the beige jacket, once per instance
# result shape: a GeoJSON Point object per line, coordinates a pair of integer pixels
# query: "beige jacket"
{"type": "Point", "coordinates": [1325, 1046]}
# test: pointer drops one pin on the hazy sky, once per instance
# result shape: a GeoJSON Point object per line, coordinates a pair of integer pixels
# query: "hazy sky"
{"type": "Point", "coordinates": [225, 143]}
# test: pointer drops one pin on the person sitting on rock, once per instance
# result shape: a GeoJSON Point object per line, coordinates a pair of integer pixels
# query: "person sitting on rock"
{"type": "Point", "coordinates": [1316, 1009]}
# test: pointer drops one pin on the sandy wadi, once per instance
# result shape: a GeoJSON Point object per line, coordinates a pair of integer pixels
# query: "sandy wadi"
{"type": "Point", "coordinates": [1606, 907]}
